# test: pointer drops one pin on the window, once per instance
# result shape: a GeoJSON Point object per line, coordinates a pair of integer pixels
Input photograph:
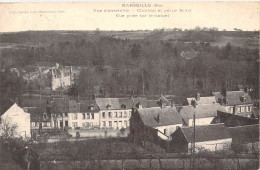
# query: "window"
{"type": "Point", "coordinates": [33, 124]}
{"type": "Point", "coordinates": [36, 123]}
{"type": "Point", "coordinates": [44, 124]}
{"type": "Point", "coordinates": [88, 115]}
{"type": "Point", "coordinates": [103, 114]}
{"type": "Point", "coordinates": [65, 114]}
{"type": "Point", "coordinates": [248, 108]}
{"type": "Point", "coordinates": [74, 117]}
{"type": "Point", "coordinates": [115, 114]}
{"type": "Point", "coordinates": [109, 114]}
{"type": "Point", "coordinates": [120, 114]}
{"type": "Point", "coordinates": [75, 124]}
{"type": "Point", "coordinates": [110, 123]}
{"type": "Point", "coordinates": [120, 124]}
{"type": "Point", "coordinates": [238, 109]}
{"type": "Point", "coordinates": [104, 123]}
{"type": "Point", "coordinates": [66, 123]}
{"type": "Point", "coordinates": [242, 109]}
{"type": "Point", "coordinates": [125, 123]}
{"type": "Point", "coordinates": [48, 124]}
{"type": "Point", "coordinates": [231, 110]}
{"type": "Point", "coordinates": [164, 131]}
{"type": "Point", "coordinates": [129, 114]}
{"type": "Point", "coordinates": [115, 124]}
{"type": "Point", "coordinates": [125, 113]}
{"type": "Point", "coordinates": [92, 115]}
{"type": "Point", "coordinates": [83, 115]}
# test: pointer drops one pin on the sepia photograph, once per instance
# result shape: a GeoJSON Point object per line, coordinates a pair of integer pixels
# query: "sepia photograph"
{"type": "Point", "coordinates": [129, 85]}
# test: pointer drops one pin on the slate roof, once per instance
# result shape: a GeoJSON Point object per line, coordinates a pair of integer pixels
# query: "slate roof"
{"type": "Point", "coordinates": [157, 116]}
{"type": "Point", "coordinates": [201, 111]}
{"type": "Point", "coordinates": [116, 103]}
{"type": "Point", "coordinates": [234, 97]}
{"type": "Point", "coordinates": [203, 100]}
{"type": "Point", "coordinates": [244, 134]}
{"type": "Point", "coordinates": [206, 132]}
{"type": "Point", "coordinates": [5, 104]}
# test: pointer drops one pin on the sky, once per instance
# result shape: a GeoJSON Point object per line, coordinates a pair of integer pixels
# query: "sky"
{"type": "Point", "coordinates": [16, 17]}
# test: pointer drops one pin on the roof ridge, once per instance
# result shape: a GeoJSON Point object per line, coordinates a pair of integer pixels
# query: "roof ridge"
{"type": "Point", "coordinates": [218, 124]}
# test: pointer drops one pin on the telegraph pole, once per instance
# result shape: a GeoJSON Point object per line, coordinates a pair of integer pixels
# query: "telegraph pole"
{"type": "Point", "coordinates": [193, 152]}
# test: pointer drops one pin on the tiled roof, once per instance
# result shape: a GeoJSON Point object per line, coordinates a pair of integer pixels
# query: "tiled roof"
{"type": "Point", "coordinates": [245, 134]}
{"type": "Point", "coordinates": [5, 104]}
{"type": "Point", "coordinates": [158, 116]}
{"type": "Point", "coordinates": [203, 100]}
{"type": "Point", "coordinates": [234, 97]}
{"type": "Point", "coordinates": [201, 111]}
{"type": "Point", "coordinates": [206, 132]}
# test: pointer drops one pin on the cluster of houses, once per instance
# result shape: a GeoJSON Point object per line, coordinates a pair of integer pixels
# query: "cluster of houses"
{"type": "Point", "coordinates": [222, 121]}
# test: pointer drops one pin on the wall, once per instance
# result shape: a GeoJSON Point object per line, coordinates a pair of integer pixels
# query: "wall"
{"type": "Point", "coordinates": [201, 121]}
{"type": "Point", "coordinates": [169, 129]}
{"type": "Point", "coordinates": [215, 145]}
{"type": "Point", "coordinates": [94, 122]}
{"type": "Point", "coordinates": [115, 118]}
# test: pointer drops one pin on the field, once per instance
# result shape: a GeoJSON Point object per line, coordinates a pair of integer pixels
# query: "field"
{"type": "Point", "coordinates": [251, 43]}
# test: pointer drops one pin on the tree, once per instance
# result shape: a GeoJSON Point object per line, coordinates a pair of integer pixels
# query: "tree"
{"type": "Point", "coordinates": [7, 128]}
{"type": "Point", "coordinates": [136, 51]}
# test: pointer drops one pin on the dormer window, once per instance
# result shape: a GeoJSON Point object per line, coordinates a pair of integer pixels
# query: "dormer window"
{"type": "Point", "coordinates": [123, 106]}
{"type": "Point", "coordinates": [108, 106]}
{"type": "Point", "coordinates": [243, 99]}
{"type": "Point", "coordinates": [91, 107]}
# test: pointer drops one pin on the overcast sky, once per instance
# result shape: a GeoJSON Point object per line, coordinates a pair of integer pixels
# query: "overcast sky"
{"type": "Point", "coordinates": [81, 16]}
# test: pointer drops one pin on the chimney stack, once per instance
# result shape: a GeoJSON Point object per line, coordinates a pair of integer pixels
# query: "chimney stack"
{"type": "Point", "coordinates": [224, 92]}
{"type": "Point", "coordinates": [198, 96]}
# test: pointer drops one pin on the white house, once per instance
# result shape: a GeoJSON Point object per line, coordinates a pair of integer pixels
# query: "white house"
{"type": "Point", "coordinates": [14, 116]}
{"type": "Point", "coordinates": [204, 113]}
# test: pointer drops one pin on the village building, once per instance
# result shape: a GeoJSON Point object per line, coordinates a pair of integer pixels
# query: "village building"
{"type": "Point", "coordinates": [60, 77]}
{"type": "Point", "coordinates": [114, 112]}
{"type": "Point", "coordinates": [213, 137]}
{"type": "Point", "coordinates": [235, 102]}
{"type": "Point", "coordinates": [154, 124]}
{"type": "Point", "coordinates": [15, 119]}
{"type": "Point", "coordinates": [245, 139]}
{"type": "Point", "coordinates": [204, 114]}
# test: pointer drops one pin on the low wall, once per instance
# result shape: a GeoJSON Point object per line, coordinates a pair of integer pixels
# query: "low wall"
{"type": "Point", "coordinates": [176, 163]}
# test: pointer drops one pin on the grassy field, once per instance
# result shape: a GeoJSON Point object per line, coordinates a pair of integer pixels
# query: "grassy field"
{"type": "Point", "coordinates": [109, 148]}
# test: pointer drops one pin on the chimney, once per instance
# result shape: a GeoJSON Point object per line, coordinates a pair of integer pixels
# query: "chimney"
{"type": "Point", "coordinates": [198, 96]}
{"type": "Point", "coordinates": [193, 103]}
{"type": "Point", "coordinates": [224, 92]}
{"type": "Point", "coordinates": [138, 105]}
{"type": "Point", "coordinates": [246, 89]}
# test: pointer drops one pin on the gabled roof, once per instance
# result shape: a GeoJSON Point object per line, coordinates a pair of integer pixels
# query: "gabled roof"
{"type": "Point", "coordinates": [157, 116]}
{"type": "Point", "coordinates": [201, 111]}
{"type": "Point", "coordinates": [234, 97]}
{"type": "Point", "coordinates": [245, 134]}
{"type": "Point", "coordinates": [203, 100]}
{"type": "Point", "coordinates": [206, 132]}
{"type": "Point", "coordinates": [5, 104]}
